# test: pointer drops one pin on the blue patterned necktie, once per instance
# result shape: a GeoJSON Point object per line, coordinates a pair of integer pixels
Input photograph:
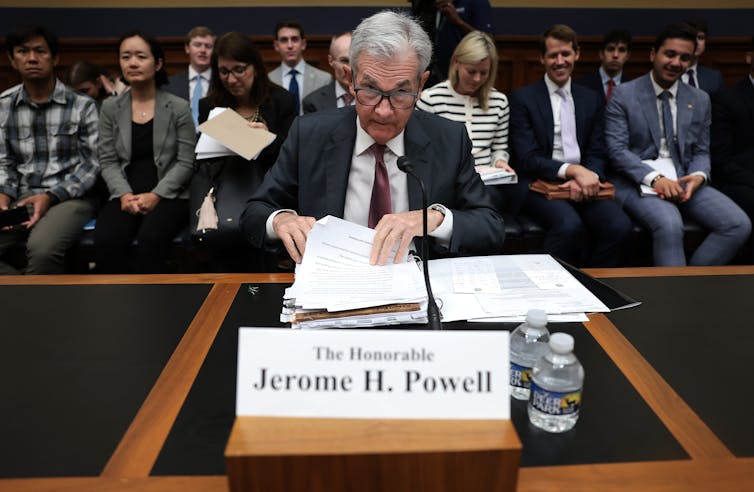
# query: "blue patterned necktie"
{"type": "Point", "coordinates": [690, 73]}
{"type": "Point", "coordinates": [195, 100]}
{"type": "Point", "coordinates": [667, 123]}
{"type": "Point", "coordinates": [293, 89]}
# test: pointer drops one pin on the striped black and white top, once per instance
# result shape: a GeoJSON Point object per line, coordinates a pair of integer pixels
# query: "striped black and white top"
{"type": "Point", "coordinates": [488, 130]}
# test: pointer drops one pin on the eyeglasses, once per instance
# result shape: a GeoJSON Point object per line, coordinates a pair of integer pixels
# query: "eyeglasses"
{"type": "Point", "coordinates": [238, 71]}
{"type": "Point", "coordinates": [372, 97]}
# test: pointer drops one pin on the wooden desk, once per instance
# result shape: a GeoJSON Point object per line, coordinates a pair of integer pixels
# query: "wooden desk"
{"type": "Point", "coordinates": [711, 465]}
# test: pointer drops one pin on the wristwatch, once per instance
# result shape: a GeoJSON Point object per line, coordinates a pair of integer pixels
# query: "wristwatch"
{"type": "Point", "coordinates": [655, 179]}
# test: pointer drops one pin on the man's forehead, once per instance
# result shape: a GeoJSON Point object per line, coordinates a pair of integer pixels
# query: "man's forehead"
{"type": "Point", "coordinates": [557, 45]}
{"type": "Point", "coordinates": [203, 40]}
{"type": "Point", "coordinates": [288, 32]}
{"type": "Point", "coordinates": [616, 45]}
{"type": "Point", "coordinates": [35, 42]}
{"type": "Point", "coordinates": [679, 45]}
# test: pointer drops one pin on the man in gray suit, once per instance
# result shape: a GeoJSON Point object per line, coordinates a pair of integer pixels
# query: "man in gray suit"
{"type": "Point", "coordinates": [344, 163]}
{"type": "Point", "coordinates": [658, 131]}
{"type": "Point", "coordinates": [294, 73]}
{"type": "Point", "coordinates": [336, 94]}
{"type": "Point", "coordinates": [193, 84]}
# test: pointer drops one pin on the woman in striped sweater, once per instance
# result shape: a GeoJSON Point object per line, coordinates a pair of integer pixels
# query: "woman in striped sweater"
{"type": "Point", "coordinates": [469, 97]}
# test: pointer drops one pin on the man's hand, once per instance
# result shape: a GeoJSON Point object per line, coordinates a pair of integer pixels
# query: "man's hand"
{"type": "Point", "coordinates": [400, 229]}
{"type": "Point", "coordinates": [292, 229]}
{"type": "Point", "coordinates": [587, 180]}
{"type": "Point", "coordinates": [504, 165]}
{"type": "Point", "coordinates": [129, 204]}
{"type": "Point", "coordinates": [668, 189]}
{"type": "Point", "coordinates": [448, 10]}
{"type": "Point", "coordinates": [4, 201]}
{"type": "Point", "coordinates": [690, 183]}
{"type": "Point", "coordinates": [575, 192]}
{"type": "Point", "coordinates": [41, 204]}
{"type": "Point", "coordinates": [146, 202]}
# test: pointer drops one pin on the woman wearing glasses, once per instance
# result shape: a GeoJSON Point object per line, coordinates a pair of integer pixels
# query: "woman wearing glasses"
{"type": "Point", "coordinates": [469, 96]}
{"type": "Point", "coordinates": [146, 150]}
{"type": "Point", "coordinates": [240, 82]}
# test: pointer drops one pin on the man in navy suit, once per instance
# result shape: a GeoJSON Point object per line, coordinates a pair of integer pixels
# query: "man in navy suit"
{"type": "Point", "coordinates": [555, 143]}
{"type": "Point", "coordinates": [199, 45]}
{"type": "Point", "coordinates": [614, 53]}
{"type": "Point", "coordinates": [335, 94]}
{"type": "Point", "coordinates": [658, 132]}
{"type": "Point", "coordinates": [707, 79]}
{"type": "Point", "coordinates": [344, 163]}
{"type": "Point", "coordinates": [733, 139]}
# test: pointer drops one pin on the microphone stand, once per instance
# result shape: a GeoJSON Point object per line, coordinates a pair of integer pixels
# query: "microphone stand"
{"type": "Point", "coordinates": [433, 312]}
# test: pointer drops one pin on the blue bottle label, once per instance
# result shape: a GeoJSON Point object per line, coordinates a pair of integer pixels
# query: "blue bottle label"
{"type": "Point", "coordinates": [520, 376]}
{"type": "Point", "coordinates": [553, 402]}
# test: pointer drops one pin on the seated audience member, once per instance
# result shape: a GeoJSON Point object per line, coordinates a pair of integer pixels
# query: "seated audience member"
{"type": "Point", "coordinates": [557, 135]}
{"type": "Point", "coordinates": [658, 133]}
{"type": "Point", "coordinates": [48, 161]}
{"type": "Point", "coordinates": [89, 79]}
{"type": "Point", "coordinates": [344, 163]}
{"type": "Point", "coordinates": [704, 78]}
{"type": "Point", "coordinates": [239, 82]}
{"type": "Point", "coordinates": [335, 94]}
{"type": "Point", "coordinates": [146, 149]}
{"type": "Point", "coordinates": [733, 140]}
{"type": "Point", "coordinates": [294, 74]}
{"type": "Point", "coordinates": [192, 84]}
{"type": "Point", "coordinates": [614, 53]}
{"type": "Point", "coordinates": [469, 96]}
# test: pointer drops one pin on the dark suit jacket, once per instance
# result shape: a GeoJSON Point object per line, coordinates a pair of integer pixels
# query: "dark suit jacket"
{"type": "Point", "coordinates": [710, 80]}
{"type": "Point", "coordinates": [178, 84]}
{"type": "Point", "coordinates": [173, 141]}
{"type": "Point", "coordinates": [278, 113]}
{"type": "Point", "coordinates": [532, 130]}
{"type": "Point", "coordinates": [594, 81]}
{"type": "Point", "coordinates": [311, 177]}
{"type": "Point", "coordinates": [321, 99]}
{"type": "Point", "coordinates": [732, 143]}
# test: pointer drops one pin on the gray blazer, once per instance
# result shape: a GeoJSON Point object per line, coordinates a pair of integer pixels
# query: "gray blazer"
{"type": "Point", "coordinates": [174, 139]}
{"type": "Point", "coordinates": [321, 99]}
{"type": "Point", "coordinates": [632, 128]}
{"type": "Point", "coordinates": [314, 78]}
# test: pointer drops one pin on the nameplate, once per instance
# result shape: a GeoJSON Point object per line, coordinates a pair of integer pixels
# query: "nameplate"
{"type": "Point", "coordinates": [373, 374]}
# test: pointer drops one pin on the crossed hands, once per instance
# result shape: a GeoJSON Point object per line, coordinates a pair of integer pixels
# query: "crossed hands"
{"type": "Point", "coordinates": [678, 191]}
{"type": "Point", "coordinates": [393, 229]}
{"type": "Point", "coordinates": [140, 204]}
{"type": "Point", "coordinates": [583, 184]}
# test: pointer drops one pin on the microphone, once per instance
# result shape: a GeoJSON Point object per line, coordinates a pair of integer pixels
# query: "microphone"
{"type": "Point", "coordinates": [433, 313]}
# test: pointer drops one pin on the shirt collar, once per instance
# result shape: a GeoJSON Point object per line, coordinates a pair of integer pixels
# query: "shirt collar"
{"type": "Point", "coordinates": [339, 90]}
{"type": "Point", "coordinates": [552, 87]}
{"type": "Point", "coordinates": [300, 67]}
{"type": "Point", "coordinates": [751, 79]}
{"type": "Point", "coordinates": [659, 90]}
{"type": "Point", "coordinates": [364, 141]}
{"type": "Point", "coordinates": [58, 95]}
{"type": "Point", "coordinates": [605, 77]}
{"type": "Point", "coordinates": [206, 75]}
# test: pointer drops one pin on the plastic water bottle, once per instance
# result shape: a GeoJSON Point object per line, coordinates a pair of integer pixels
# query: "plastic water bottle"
{"type": "Point", "coordinates": [528, 343]}
{"type": "Point", "coordinates": [557, 380]}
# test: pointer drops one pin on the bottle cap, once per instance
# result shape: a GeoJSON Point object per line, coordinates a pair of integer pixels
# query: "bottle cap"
{"type": "Point", "coordinates": [536, 318]}
{"type": "Point", "coordinates": [561, 343]}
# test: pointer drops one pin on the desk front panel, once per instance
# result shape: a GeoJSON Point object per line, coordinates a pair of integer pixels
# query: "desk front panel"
{"type": "Point", "coordinates": [616, 424]}
{"type": "Point", "coordinates": [696, 332]}
{"type": "Point", "coordinates": [76, 363]}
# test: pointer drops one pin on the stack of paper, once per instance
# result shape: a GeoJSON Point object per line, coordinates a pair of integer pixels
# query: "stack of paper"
{"type": "Point", "coordinates": [337, 287]}
{"type": "Point", "coordinates": [227, 133]}
{"type": "Point", "coordinates": [492, 175]}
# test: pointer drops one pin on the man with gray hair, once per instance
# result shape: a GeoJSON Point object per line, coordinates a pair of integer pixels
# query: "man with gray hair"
{"type": "Point", "coordinates": [344, 163]}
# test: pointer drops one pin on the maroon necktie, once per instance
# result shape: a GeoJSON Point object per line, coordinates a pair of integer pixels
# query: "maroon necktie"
{"type": "Point", "coordinates": [610, 86]}
{"type": "Point", "coordinates": [347, 98]}
{"type": "Point", "coordinates": [380, 203]}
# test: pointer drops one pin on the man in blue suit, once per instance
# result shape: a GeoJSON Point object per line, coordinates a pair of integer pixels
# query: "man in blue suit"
{"type": "Point", "coordinates": [614, 53]}
{"type": "Point", "coordinates": [556, 135]}
{"type": "Point", "coordinates": [658, 132]}
{"type": "Point", "coordinates": [344, 162]}
{"type": "Point", "coordinates": [707, 79]}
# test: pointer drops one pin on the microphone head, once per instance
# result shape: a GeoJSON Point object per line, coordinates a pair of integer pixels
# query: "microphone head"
{"type": "Point", "coordinates": [404, 164]}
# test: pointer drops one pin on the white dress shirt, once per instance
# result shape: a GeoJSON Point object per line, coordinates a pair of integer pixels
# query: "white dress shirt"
{"type": "Point", "coordinates": [206, 76]}
{"type": "Point", "coordinates": [557, 139]}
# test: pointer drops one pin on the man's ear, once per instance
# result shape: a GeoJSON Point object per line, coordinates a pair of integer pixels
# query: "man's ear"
{"type": "Point", "coordinates": [349, 75]}
{"type": "Point", "coordinates": [423, 80]}
{"type": "Point", "coordinates": [652, 54]}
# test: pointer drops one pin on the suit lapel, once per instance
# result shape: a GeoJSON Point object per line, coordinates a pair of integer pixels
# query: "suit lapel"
{"type": "Point", "coordinates": [337, 163]}
{"type": "Point", "coordinates": [684, 114]}
{"type": "Point", "coordinates": [545, 113]}
{"type": "Point", "coordinates": [416, 143]}
{"type": "Point", "coordinates": [648, 103]}
{"type": "Point", "coordinates": [124, 123]}
{"type": "Point", "coordinates": [162, 115]}
{"type": "Point", "coordinates": [581, 117]}
{"type": "Point", "coordinates": [746, 88]}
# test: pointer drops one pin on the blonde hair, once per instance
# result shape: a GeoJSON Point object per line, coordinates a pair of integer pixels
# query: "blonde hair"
{"type": "Point", "coordinates": [473, 48]}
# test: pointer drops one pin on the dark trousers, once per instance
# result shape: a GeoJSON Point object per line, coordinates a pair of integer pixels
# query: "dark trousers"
{"type": "Point", "coordinates": [594, 233]}
{"type": "Point", "coordinates": [154, 233]}
{"type": "Point", "coordinates": [743, 195]}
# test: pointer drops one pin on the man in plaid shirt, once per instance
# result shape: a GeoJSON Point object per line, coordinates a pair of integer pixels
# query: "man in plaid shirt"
{"type": "Point", "coordinates": [48, 157]}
